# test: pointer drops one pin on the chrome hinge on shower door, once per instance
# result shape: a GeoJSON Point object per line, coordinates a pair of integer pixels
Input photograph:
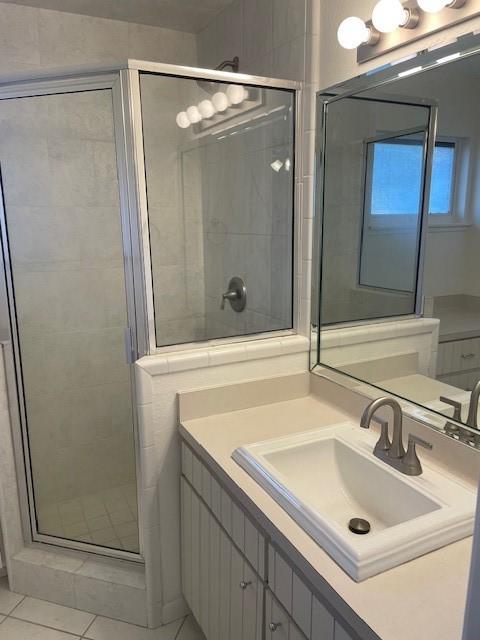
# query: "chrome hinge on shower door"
{"type": "Point", "coordinates": [130, 354]}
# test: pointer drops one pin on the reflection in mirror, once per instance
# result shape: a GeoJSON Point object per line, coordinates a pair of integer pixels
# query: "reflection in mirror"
{"type": "Point", "coordinates": [399, 306]}
{"type": "Point", "coordinates": [374, 189]}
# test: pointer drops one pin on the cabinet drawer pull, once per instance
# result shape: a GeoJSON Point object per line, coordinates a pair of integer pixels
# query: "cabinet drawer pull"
{"type": "Point", "coordinates": [273, 626]}
{"type": "Point", "coordinates": [467, 356]}
{"type": "Point", "coordinates": [244, 585]}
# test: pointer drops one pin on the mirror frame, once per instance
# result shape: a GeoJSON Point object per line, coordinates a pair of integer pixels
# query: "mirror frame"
{"type": "Point", "coordinates": [462, 47]}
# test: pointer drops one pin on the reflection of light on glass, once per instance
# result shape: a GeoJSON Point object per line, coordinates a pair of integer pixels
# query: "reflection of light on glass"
{"type": "Point", "coordinates": [409, 72]}
{"type": "Point", "coordinates": [182, 120]}
{"type": "Point", "coordinates": [236, 93]}
{"type": "Point", "coordinates": [220, 101]}
{"type": "Point", "coordinates": [452, 56]}
{"type": "Point", "coordinates": [277, 165]}
{"type": "Point", "coordinates": [193, 114]}
{"type": "Point", "coordinates": [206, 108]}
{"type": "Point", "coordinates": [288, 164]}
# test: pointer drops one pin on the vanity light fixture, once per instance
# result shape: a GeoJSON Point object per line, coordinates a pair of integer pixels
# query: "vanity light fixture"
{"type": "Point", "coordinates": [206, 108]}
{"type": "Point", "coordinates": [182, 120]}
{"type": "Point", "coordinates": [434, 6]}
{"type": "Point", "coordinates": [353, 32]}
{"type": "Point", "coordinates": [193, 114]}
{"type": "Point", "coordinates": [388, 15]}
{"type": "Point", "coordinates": [236, 93]}
{"type": "Point", "coordinates": [220, 101]}
{"type": "Point", "coordinates": [233, 96]}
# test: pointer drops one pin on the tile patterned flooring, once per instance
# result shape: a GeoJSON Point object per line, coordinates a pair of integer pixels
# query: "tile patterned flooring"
{"type": "Point", "coordinates": [107, 518]}
{"type": "Point", "coordinates": [25, 618]}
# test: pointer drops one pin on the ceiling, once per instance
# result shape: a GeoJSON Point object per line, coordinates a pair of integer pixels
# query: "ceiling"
{"type": "Point", "coordinates": [183, 15]}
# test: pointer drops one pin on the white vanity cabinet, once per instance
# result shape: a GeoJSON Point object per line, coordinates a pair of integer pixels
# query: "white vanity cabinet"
{"type": "Point", "coordinates": [223, 591]}
{"type": "Point", "coordinates": [237, 583]}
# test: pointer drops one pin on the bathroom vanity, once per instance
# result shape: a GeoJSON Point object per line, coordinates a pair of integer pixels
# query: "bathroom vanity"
{"type": "Point", "coordinates": [249, 568]}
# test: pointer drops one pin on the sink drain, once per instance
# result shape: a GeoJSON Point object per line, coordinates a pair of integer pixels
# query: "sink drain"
{"type": "Point", "coordinates": [359, 526]}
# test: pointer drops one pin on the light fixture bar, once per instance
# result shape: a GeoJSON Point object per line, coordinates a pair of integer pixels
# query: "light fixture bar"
{"type": "Point", "coordinates": [423, 24]}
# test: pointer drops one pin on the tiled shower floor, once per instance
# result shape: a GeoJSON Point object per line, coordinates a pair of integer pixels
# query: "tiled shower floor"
{"type": "Point", "coordinates": [108, 518]}
{"type": "Point", "coordinates": [24, 618]}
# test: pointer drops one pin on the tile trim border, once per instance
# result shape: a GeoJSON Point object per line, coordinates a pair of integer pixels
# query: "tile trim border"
{"type": "Point", "coordinates": [225, 354]}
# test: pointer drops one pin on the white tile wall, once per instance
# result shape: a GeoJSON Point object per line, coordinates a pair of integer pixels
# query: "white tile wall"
{"type": "Point", "coordinates": [273, 39]}
{"type": "Point", "coordinates": [160, 458]}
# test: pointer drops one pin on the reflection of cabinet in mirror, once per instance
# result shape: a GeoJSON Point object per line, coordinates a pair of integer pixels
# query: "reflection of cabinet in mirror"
{"type": "Point", "coordinates": [459, 339]}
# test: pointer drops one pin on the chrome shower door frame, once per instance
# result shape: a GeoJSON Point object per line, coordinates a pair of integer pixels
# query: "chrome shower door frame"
{"type": "Point", "coordinates": [71, 82]}
{"type": "Point", "coordinates": [137, 180]}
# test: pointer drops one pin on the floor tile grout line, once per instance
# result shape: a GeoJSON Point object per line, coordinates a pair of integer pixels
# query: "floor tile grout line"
{"type": "Point", "coordinates": [180, 628]}
{"type": "Point", "coordinates": [44, 626]}
{"type": "Point", "coordinates": [89, 627]}
{"type": "Point", "coordinates": [17, 605]}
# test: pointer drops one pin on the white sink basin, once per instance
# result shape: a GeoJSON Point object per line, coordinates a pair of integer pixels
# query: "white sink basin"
{"type": "Point", "coordinates": [325, 477]}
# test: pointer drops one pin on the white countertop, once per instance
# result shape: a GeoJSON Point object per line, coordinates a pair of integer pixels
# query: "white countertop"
{"type": "Point", "coordinates": [458, 323]}
{"type": "Point", "coordinates": [421, 600]}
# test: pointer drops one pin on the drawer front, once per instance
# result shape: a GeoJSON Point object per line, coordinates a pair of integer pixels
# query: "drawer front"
{"type": "Point", "coordinates": [278, 624]}
{"type": "Point", "coordinates": [459, 355]}
{"type": "Point", "coordinates": [222, 590]}
{"type": "Point", "coordinates": [235, 522]}
{"type": "Point", "coordinates": [307, 612]}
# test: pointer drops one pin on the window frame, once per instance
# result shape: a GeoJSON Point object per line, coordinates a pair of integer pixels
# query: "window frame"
{"type": "Point", "coordinates": [442, 141]}
{"type": "Point", "coordinates": [458, 214]}
{"type": "Point", "coordinates": [387, 223]}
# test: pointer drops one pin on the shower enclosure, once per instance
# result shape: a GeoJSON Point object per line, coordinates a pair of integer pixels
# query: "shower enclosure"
{"type": "Point", "coordinates": [131, 197]}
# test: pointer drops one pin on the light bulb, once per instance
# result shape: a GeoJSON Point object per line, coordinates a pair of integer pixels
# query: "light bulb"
{"type": "Point", "coordinates": [236, 93]}
{"type": "Point", "coordinates": [433, 6]}
{"type": "Point", "coordinates": [220, 101]}
{"type": "Point", "coordinates": [206, 108]}
{"type": "Point", "coordinates": [182, 120]}
{"type": "Point", "coordinates": [194, 115]}
{"type": "Point", "coordinates": [388, 15]}
{"type": "Point", "coordinates": [353, 32]}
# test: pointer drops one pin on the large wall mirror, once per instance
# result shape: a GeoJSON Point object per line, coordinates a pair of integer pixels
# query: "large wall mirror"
{"type": "Point", "coordinates": [398, 229]}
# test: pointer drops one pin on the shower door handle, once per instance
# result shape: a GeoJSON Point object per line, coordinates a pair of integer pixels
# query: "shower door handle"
{"type": "Point", "coordinates": [129, 350]}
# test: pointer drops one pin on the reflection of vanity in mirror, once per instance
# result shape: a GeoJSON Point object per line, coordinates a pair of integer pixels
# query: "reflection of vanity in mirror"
{"type": "Point", "coordinates": [398, 205]}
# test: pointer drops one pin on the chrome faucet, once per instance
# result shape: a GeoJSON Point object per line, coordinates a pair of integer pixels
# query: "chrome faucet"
{"type": "Point", "coordinates": [472, 419]}
{"type": "Point", "coordinates": [393, 453]}
{"type": "Point", "coordinates": [396, 449]}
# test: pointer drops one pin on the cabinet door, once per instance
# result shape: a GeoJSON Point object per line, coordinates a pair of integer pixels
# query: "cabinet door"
{"type": "Point", "coordinates": [223, 591]}
{"type": "Point", "coordinates": [252, 604]}
{"type": "Point", "coordinates": [277, 622]}
{"type": "Point", "coordinates": [236, 595]}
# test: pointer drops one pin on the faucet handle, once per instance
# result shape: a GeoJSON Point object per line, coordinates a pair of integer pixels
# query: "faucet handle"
{"type": "Point", "coordinates": [457, 406]}
{"type": "Point", "coordinates": [410, 461]}
{"type": "Point", "coordinates": [420, 441]}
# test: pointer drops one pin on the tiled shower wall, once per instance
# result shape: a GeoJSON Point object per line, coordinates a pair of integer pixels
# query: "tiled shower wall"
{"type": "Point", "coordinates": [62, 206]}
{"type": "Point", "coordinates": [41, 39]}
{"type": "Point", "coordinates": [173, 174]}
{"type": "Point", "coordinates": [277, 39]}
{"type": "Point", "coordinates": [248, 223]}
{"type": "Point", "coordinates": [61, 194]}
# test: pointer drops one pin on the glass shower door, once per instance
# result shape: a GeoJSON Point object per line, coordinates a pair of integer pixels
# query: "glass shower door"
{"type": "Point", "coordinates": [63, 224]}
